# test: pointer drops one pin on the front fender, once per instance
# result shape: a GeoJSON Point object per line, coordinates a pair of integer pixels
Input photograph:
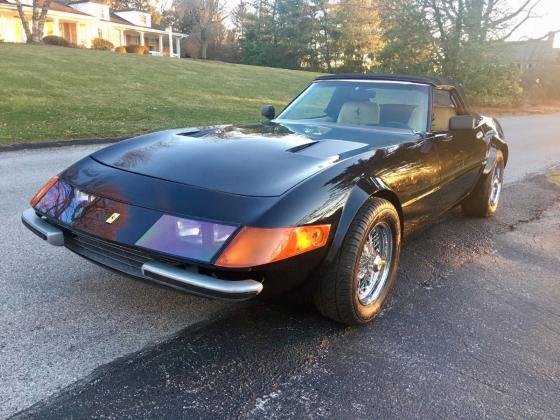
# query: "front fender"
{"type": "Point", "coordinates": [359, 195]}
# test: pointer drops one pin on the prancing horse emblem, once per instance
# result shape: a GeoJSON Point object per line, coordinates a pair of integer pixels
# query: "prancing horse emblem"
{"type": "Point", "coordinates": [112, 218]}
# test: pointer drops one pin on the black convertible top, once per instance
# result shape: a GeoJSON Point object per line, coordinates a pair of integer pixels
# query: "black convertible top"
{"type": "Point", "coordinates": [436, 81]}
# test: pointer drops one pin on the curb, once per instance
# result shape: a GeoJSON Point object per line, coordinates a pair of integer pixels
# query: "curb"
{"type": "Point", "coordinates": [59, 143]}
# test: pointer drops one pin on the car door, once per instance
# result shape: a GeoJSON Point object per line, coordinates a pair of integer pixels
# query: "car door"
{"type": "Point", "coordinates": [460, 151]}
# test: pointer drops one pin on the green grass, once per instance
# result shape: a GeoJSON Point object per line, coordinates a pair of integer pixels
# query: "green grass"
{"type": "Point", "coordinates": [56, 93]}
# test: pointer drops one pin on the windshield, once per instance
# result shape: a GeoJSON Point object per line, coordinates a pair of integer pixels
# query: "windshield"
{"type": "Point", "coordinates": [363, 103]}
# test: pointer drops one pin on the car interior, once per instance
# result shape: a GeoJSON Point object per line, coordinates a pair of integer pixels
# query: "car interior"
{"type": "Point", "coordinates": [362, 107]}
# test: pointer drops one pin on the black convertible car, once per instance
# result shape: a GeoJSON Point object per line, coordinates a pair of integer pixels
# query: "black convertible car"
{"type": "Point", "coordinates": [314, 202]}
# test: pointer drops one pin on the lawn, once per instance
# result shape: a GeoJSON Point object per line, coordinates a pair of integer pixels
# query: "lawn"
{"type": "Point", "coordinates": [56, 93]}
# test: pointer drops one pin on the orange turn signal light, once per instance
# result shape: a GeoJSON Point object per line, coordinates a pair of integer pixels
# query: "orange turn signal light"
{"type": "Point", "coordinates": [40, 194]}
{"type": "Point", "coordinates": [258, 246]}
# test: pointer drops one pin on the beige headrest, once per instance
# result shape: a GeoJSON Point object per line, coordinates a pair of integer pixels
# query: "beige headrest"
{"type": "Point", "coordinates": [442, 114]}
{"type": "Point", "coordinates": [360, 113]}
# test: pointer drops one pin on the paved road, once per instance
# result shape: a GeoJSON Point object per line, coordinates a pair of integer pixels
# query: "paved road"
{"type": "Point", "coordinates": [62, 318]}
{"type": "Point", "coordinates": [534, 143]}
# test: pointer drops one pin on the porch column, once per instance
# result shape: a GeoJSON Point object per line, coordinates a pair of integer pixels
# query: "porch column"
{"type": "Point", "coordinates": [123, 39]}
{"type": "Point", "coordinates": [169, 33]}
{"type": "Point", "coordinates": [178, 47]}
{"type": "Point", "coordinates": [161, 44]}
{"type": "Point", "coordinates": [78, 34]}
{"type": "Point", "coordinates": [142, 38]}
{"type": "Point", "coordinates": [3, 28]}
{"type": "Point", "coordinates": [56, 26]}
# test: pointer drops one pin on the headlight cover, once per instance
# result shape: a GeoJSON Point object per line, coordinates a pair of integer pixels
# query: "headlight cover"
{"type": "Point", "coordinates": [192, 239]}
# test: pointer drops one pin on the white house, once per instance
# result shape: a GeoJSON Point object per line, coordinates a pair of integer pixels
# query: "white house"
{"type": "Point", "coordinates": [81, 21]}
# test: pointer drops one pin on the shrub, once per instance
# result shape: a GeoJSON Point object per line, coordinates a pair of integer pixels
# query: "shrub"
{"type": "Point", "coordinates": [136, 49]}
{"type": "Point", "coordinates": [120, 50]}
{"type": "Point", "coordinates": [56, 40]}
{"type": "Point", "coordinates": [102, 44]}
{"type": "Point", "coordinates": [488, 78]}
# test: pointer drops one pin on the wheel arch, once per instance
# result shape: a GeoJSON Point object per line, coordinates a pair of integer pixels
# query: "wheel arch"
{"type": "Point", "coordinates": [360, 194]}
{"type": "Point", "coordinates": [493, 149]}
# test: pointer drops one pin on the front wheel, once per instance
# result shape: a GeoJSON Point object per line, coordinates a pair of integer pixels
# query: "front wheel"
{"type": "Point", "coordinates": [355, 287]}
{"type": "Point", "coordinates": [484, 199]}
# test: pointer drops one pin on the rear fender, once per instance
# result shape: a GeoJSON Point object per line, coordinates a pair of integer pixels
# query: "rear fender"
{"type": "Point", "coordinates": [494, 137]}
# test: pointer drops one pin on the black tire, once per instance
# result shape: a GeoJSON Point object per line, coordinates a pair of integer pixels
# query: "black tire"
{"type": "Point", "coordinates": [482, 202]}
{"type": "Point", "coordinates": [336, 295]}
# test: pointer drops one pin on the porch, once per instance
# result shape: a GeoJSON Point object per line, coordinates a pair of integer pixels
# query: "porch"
{"type": "Point", "coordinates": [158, 44]}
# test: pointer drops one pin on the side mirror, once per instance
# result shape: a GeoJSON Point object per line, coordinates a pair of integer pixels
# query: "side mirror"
{"type": "Point", "coordinates": [268, 111]}
{"type": "Point", "coordinates": [461, 122]}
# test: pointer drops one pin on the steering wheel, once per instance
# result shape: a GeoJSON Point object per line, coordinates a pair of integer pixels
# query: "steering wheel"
{"type": "Point", "coordinates": [395, 124]}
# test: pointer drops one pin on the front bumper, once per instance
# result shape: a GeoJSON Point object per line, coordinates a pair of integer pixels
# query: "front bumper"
{"type": "Point", "coordinates": [140, 264]}
{"type": "Point", "coordinates": [42, 228]}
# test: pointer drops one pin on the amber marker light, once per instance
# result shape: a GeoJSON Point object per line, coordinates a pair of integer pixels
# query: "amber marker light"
{"type": "Point", "coordinates": [258, 246]}
{"type": "Point", "coordinates": [40, 194]}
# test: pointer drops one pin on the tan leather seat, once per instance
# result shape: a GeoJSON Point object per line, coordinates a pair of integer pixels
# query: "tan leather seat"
{"type": "Point", "coordinates": [442, 114]}
{"type": "Point", "coordinates": [417, 120]}
{"type": "Point", "coordinates": [359, 113]}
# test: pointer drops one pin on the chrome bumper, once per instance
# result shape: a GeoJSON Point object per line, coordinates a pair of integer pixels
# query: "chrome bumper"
{"type": "Point", "coordinates": [158, 272]}
{"type": "Point", "coordinates": [200, 284]}
{"type": "Point", "coordinates": [41, 228]}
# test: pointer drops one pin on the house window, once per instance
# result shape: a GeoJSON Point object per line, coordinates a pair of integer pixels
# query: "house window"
{"type": "Point", "coordinates": [152, 44]}
{"type": "Point", "coordinates": [99, 33]}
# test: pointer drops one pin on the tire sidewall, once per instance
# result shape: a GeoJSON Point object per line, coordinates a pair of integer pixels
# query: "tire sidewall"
{"type": "Point", "coordinates": [499, 162]}
{"type": "Point", "coordinates": [365, 313]}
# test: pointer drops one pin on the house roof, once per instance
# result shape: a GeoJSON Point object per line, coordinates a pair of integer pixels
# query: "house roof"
{"type": "Point", "coordinates": [66, 8]}
{"type": "Point", "coordinates": [60, 7]}
{"type": "Point", "coordinates": [541, 51]}
{"type": "Point", "coordinates": [104, 2]}
{"type": "Point", "coordinates": [117, 19]}
{"type": "Point", "coordinates": [55, 5]}
{"type": "Point", "coordinates": [130, 9]}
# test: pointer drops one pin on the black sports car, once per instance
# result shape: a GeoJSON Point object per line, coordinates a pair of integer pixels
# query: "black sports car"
{"type": "Point", "coordinates": [314, 202]}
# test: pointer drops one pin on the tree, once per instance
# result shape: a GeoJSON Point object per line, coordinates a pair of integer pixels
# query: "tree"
{"type": "Point", "coordinates": [281, 33]}
{"type": "Point", "coordinates": [361, 34]}
{"type": "Point", "coordinates": [39, 14]}
{"type": "Point", "coordinates": [203, 19]}
{"type": "Point", "coordinates": [238, 18]}
{"type": "Point", "coordinates": [409, 45]}
{"type": "Point", "coordinates": [328, 35]}
{"type": "Point", "coordinates": [458, 23]}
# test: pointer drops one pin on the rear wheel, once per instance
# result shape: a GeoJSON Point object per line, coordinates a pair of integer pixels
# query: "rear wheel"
{"type": "Point", "coordinates": [354, 288]}
{"type": "Point", "coordinates": [484, 199]}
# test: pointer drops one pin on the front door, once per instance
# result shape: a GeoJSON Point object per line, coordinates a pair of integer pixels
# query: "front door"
{"type": "Point", "coordinates": [460, 151]}
{"type": "Point", "coordinates": [69, 32]}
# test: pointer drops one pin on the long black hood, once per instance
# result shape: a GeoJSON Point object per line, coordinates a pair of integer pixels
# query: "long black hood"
{"type": "Point", "coordinates": [258, 160]}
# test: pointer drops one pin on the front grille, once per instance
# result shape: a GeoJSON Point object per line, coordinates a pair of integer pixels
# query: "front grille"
{"type": "Point", "coordinates": [118, 257]}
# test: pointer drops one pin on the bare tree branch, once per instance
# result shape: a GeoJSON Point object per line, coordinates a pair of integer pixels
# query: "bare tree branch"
{"type": "Point", "coordinates": [514, 14]}
{"type": "Point", "coordinates": [528, 16]}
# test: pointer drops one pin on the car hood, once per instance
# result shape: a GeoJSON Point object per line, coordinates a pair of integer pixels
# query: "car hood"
{"type": "Point", "coordinates": [258, 160]}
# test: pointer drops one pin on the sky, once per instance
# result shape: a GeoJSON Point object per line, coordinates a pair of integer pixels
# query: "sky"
{"type": "Point", "coordinates": [548, 20]}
